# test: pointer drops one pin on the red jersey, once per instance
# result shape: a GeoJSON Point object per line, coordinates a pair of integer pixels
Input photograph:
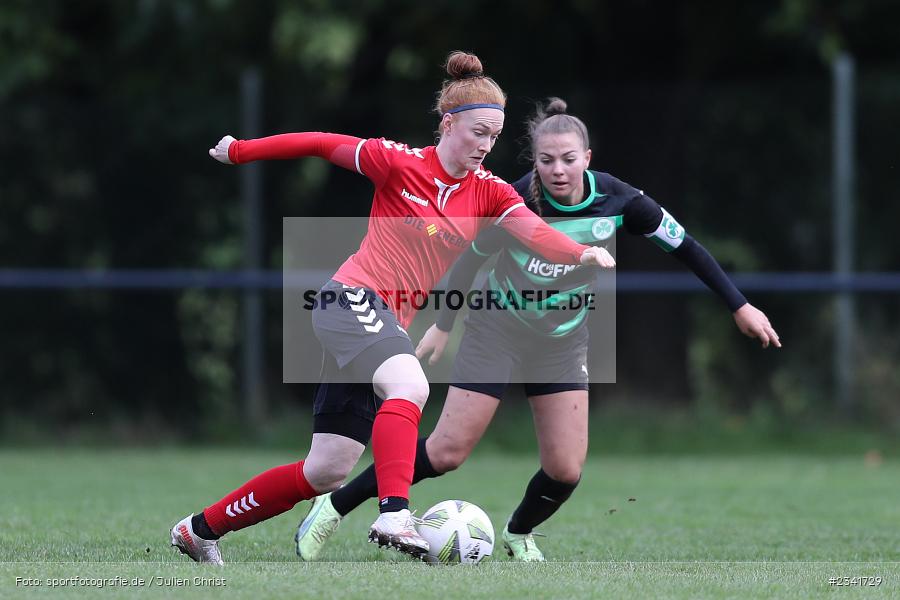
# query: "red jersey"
{"type": "Point", "coordinates": [421, 220]}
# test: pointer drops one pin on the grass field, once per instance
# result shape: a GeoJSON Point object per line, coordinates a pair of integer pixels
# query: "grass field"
{"type": "Point", "coordinates": [697, 527]}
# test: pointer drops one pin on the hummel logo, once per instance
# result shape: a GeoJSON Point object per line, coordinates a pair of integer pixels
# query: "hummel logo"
{"type": "Point", "coordinates": [360, 304]}
{"type": "Point", "coordinates": [415, 199]}
{"type": "Point", "coordinates": [241, 506]}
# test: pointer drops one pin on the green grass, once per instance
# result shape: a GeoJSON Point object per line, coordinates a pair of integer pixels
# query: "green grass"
{"type": "Point", "coordinates": [707, 527]}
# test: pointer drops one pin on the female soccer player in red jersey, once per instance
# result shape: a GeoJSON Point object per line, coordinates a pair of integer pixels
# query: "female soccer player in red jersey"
{"type": "Point", "coordinates": [549, 347]}
{"type": "Point", "coordinates": [373, 385]}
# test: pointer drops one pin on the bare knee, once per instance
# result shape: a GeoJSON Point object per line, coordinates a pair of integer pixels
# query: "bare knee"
{"type": "Point", "coordinates": [446, 457]}
{"type": "Point", "coordinates": [325, 476]}
{"type": "Point", "coordinates": [330, 460]}
{"type": "Point", "coordinates": [401, 376]}
{"type": "Point", "coordinates": [564, 471]}
{"type": "Point", "coordinates": [327, 485]}
{"type": "Point", "coordinates": [417, 393]}
{"type": "Point", "coordinates": [413, 391]}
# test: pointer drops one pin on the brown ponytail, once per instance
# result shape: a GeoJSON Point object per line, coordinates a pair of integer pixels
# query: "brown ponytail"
{"type": "Point", "coordinates": [467, 84]}
{"type": "Point", "coordinates": [535, 191]}
{"type": "Point", "coordinates": [553, 119]}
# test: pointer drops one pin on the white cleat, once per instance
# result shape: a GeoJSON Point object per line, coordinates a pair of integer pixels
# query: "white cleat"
{"type": "Point", "coordinates": [397, 530]}
{"type": "Point", "coordinates": [199, 549]}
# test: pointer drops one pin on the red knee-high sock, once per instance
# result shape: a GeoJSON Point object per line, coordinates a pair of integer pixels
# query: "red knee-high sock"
{"type": "Point", "coordinates": [266, 495]}
{"type": "Point", "coordinates": [394, 436]}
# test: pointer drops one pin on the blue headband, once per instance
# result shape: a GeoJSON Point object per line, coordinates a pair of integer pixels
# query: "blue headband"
{"type": "Point", "coordinates": [472, 107]}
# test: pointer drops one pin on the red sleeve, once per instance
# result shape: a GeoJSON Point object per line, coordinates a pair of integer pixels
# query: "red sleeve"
{"type": "Point", "coordinates": [534, 232]}
{"type": "Point", "coordinates": [339, 149]}
{"type": "Point", "coordinates": [375, 157]}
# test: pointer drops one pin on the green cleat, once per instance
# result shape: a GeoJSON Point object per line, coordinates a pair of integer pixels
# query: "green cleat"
{"type": "Point", "coordinates": [521, 546]}
{"type": "Point", "coordinates": [320, 523]}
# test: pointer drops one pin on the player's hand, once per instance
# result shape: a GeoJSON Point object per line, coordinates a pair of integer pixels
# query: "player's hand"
{"type": "Point", "coordinates": [754, 323]}
{"type": "Point", "coordinates": [433, 342]}
{"type": "Point", "coordinates": [220, 152]}
{"type": "Point", "coordinates": [596, 255]}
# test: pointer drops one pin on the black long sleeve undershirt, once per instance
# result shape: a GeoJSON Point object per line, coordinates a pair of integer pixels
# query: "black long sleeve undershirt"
{"type": "Point", "coordinates": [691, 253]}
{"type": "Point", "coordinates": [698, 259]}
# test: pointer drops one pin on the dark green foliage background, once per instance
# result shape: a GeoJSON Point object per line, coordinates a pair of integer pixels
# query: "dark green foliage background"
{"type": "Point", "coordinates": [719, 111]}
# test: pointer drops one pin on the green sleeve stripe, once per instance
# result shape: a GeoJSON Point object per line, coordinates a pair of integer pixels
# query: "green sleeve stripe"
{"type": "Point", "coordinates": [508, 292]}
{"type": "Point", "coordinates": [662, 244]}
{"type": "Point", "coordinates": [590, 230]}
{"type": "Point", "coordinates": [477, 251]}
{"type": "Point", "coordinates": [569, 326]}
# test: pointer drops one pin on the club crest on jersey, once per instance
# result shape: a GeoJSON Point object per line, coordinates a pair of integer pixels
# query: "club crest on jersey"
{"type": "Point", "coordinates": [603, 228]}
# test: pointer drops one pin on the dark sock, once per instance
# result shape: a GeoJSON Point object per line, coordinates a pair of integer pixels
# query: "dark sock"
{"type": "Point", "coordinates": [543, 497]}
{"type": "Point", "coordinates": [355, 492]}
{"type": "Point", "coordinates": [393, 504]}
{"type": "Point", "coordinates": [423, 469]}
{"type": "Point", "coordinates": [201, 527]}
{"type": "Point", "coordinates": [365, 485]}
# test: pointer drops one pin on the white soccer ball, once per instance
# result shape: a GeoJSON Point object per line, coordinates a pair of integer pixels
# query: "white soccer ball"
{"type": "Point", "coordinates": [458, 532]}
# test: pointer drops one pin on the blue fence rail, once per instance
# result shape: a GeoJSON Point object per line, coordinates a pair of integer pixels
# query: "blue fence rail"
{"type": "Point", "coordinates": [628, 282]}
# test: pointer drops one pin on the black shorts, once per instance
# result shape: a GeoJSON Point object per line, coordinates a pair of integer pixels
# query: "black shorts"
{"type": "Point", "coordinates": [358, 333]}
{"type": "Point", "coordinates": [496, 351]}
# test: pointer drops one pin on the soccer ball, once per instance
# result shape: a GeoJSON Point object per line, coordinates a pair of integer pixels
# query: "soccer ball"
{"type": "Point", "coordinates": [458, 532]}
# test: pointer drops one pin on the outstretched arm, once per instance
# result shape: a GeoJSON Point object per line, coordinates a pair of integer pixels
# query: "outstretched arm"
{"type": "Point", "coordinates": [750, 320]}
{"type": "Point", "coordinates": [336, 148]}
{"type": "Point", "coordinates": [554, 245]}
{"type": "Point", "coordinates": [696, 258]}
{"type": "Point", "coordinates": [643, 216]}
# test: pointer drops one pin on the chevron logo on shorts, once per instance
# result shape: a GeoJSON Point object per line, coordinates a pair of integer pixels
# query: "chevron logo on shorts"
{"type": "Point", "coordinates": [358, 303]}
{"type": "Point", "coordinates": [357, 296]}
{"type": "Point", "coordinates": [360, 307]}
{"type": "Point", "coordinates": [239, 507]}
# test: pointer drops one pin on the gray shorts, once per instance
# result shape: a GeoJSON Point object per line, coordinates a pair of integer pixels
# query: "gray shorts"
{"type": "Point", "coordinates": [496, 351]}
{"type": "Point", "coordinates": [348, 320]}
{"type": "Point", "coordinates": [358, 333]}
